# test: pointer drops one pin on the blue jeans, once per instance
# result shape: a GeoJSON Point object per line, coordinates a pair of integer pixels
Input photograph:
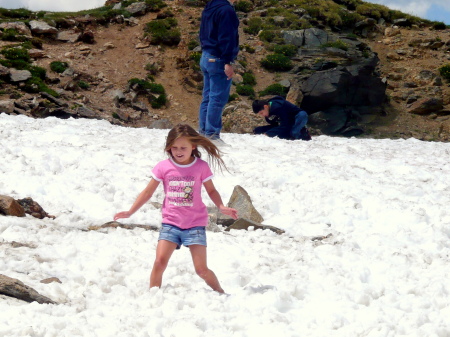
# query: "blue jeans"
{"type": "Point", "coordinates": [216, 90]}
{"type": "Point", "coordinates": [300, 121]}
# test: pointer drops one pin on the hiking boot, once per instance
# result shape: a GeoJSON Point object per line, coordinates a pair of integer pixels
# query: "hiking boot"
{"type": "Point", "coordinates": [304, 134]}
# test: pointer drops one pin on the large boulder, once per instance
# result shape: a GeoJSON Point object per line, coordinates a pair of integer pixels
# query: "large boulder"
{"type": "Point", "coordinates": [343, 96]}
{"type": "Point", "coordinates": [241, 201]}
{"type": "Point", "coordinates": [9, 206]}
{"type": "Point", "coordinates": [137, 8]}
{"type": "Point", "coordinates": [7, 106]}
{"type": "Point", "coordinates": [19, 75]}
{"type": "Point", "coordinates": [42, 28]}
{"type": "Point", "coordinates": [307, 38]}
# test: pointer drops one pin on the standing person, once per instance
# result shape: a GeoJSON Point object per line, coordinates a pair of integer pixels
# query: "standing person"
{"type": "Point", "coordinates": [184, 214]}
{"type": "Point", "coordinates": [219, 39]}
{"type": "Point", "coordinates": [286, 120]}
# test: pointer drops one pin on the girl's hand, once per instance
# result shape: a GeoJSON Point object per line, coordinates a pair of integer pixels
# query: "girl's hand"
{"type": "Point", "coordinates": [229, 211]}
{"type": "Point", "coordinates": [122, 215]}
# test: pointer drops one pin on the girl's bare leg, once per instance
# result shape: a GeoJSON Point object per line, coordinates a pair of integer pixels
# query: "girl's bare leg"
{"type": "Point", "coordinates": [198, 253]}
{"type": "Point", "coordinates": [164, 251]}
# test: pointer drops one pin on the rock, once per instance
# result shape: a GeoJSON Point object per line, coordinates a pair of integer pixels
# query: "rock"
{"type": "Point", "coordinates": [389, 32]}
{"type": "Point", "coordinates": [115, 224]}
{"type": "Point", "coordinates": [19, 75]}
{"type": "Point", "coordinates": [426, 106]}
{"type": "Point", "coordinates": [137, 8]}
{"type": "Point", "coordinates": [118, 94]}
{"type": "Point", "coordinates": [245, 224]}
{"type": "Point", "coordinates": [241, 201]}
{"type": "Point", "coordinates": [9, 206]}
{"type": "Point", "coordinates": [336, 95]}
{"type": "Point", "coordinates": [307, 38]}
{"type": "Point", "coordinates": [403, 22]}
{"type": "Point", "coordinates": [20, 27]}
{"type": "Point", "coordinates": [4, 71]}
{"type": "Point", "coordinates": [86, 112]}
{"type": "Point", "coordinates": [34, 209]}
{"type": "Point", "coordinates": [87, 37]}
{"type": "Point", "coordinates": [54, 99]}
{"type": "Point", "coordinates": [285, 83]}
{"type": "Point", "coordinates": [68, 36]}
{"type": "Point", "coordinates": [109, 45]}
{"type": "Point", "coordinates": [237, 79]}
{"type": "Point", "coordinates": [14, 288]}
{"type": "Point", "coordinates": [142, 45]}
{"type": "Point", "coordinates": [51, 280]}
{"type": "Point", "coordinates": [36, 53]}
{"type": "Point", "coordinates": [123, 115]}
{"type": "Point", "coordinates": [161, 124]}
{"type": "Point", "coordinates": [42, 27]}
{"type": "Point", "coordinates": [295, 95]}
{"type": "Point", "coordinates": [366, 23]}
{"type": "Point", "coordinates": [7, 106]}
{"type": "Point", "coordinates": [139, 106]}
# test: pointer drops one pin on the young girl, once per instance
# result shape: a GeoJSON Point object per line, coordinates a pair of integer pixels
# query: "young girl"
{"type": "Point", "coordinates": [184, 215]}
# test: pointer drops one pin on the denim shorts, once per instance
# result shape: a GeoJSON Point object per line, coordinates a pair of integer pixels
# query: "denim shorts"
{"type": "Point", "coordinates": [186, 237]}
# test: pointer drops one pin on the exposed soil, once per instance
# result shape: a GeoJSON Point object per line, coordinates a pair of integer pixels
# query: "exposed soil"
{"type": "Point", "coordinates": [116, 57]}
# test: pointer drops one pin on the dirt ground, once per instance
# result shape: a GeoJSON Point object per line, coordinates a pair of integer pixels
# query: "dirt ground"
{"type": "Point", "coordinates": [121, 52]}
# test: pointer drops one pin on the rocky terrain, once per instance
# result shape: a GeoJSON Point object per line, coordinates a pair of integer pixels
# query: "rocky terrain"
{"type": "Point", "coordinates": [106, 57]}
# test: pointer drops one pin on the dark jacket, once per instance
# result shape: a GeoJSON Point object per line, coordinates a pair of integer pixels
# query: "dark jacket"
{"type": "Point", "coordinates": [219, 30]}
{"type": "Point", "coordinates": [282, 116]}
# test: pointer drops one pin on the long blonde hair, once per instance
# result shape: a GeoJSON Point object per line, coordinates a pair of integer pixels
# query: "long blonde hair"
{"type": "Point", "coordinates": [187, 131]}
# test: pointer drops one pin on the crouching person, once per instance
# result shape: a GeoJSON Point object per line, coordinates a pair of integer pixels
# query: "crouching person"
{"type": "Point", "coordinates": [286, 120]}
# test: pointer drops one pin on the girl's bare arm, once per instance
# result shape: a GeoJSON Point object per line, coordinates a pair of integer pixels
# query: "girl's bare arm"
{"type": "Point", "coordinates": [217, 200]}
{"type": "Point", "coordinates": [142, 198]}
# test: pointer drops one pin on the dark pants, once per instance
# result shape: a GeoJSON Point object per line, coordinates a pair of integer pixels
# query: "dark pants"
{"type": "Point", "coordinates": [283, 132]}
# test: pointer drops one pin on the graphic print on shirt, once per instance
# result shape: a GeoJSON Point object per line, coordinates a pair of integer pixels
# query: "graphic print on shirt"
{"type": "Point", "coordinates": [181, 191]}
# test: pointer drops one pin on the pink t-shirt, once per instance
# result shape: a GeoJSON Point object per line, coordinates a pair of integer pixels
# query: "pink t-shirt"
{"type": "Point", "coordinates": [183, 206]}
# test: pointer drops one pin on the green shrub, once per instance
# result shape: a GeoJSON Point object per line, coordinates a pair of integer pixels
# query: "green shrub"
{"type": "Point", "coordinates": [445, 71]}
{"type": "Point", "coordinates": [154, 88]}
{"type": "Point", "coordinates": [155, 5]}
{"type": "Point", "coordinates": [243, 6]}
{"type": "Point", "coordinates": [83, 85]}
{"type": "Point", "coordinates": [277, 62]}
{"type": "Point", "coordinates": [18, 64]}
{"type": "Point", "coordinates": [288, 50]}
{"type": "Point", "coordinates": [249, 78]}
{"type": "Point", "coordinates": [336, 44]}
{"type": "Point", "coordinates": [16, 54]}
{"type": "Point", "coordinates": [157, 89]}
{"type": "Point", "coordinates": [245, 90]}
{"type": "Point", "coordinates": [196, 57]}
{"type": "Point", "coordinates": [254, 25]}
{"type": "Point", "coordinates": [439, 26]}
{"type": "Point", "coordinates": [193, 44]}
{"type": "Point", "coordinates": [275, 89]}
{"type": "Point", "coordinates": [20, 13]}
{"type": "Point", "coordinates": [12, 35]}
{"type": "Point", "coordinates": [158, 102]}
{"type": "Point", "coordinates": [233, 97]}
{"type": "Point", "coordinates": [247, 48]}
{"type": "Point", "coordinates": [268, 35]}
{"type": "Point", "coordinates": [58, 66]}
{"type": "Point", "coordinates": [38, 72]}
{"type": "Point", "coordinates": [35, 85]}
{"type": "Point", "coordinates": [196, 3]}
{"type": "Point", "coordinates": [163, 32]}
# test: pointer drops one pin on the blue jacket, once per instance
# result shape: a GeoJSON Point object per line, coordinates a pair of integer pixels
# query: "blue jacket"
{"type": "Point", "coordinates": [281, 115]}
{"type": "Point", "coordinates": [219, 34]}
